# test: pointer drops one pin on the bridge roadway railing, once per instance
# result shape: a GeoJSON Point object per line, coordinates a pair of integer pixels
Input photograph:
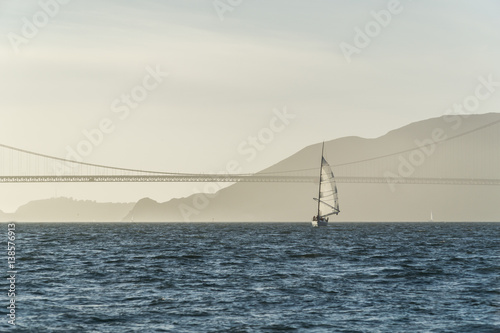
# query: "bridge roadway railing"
{"type": "Point", "coordinates": [155, 178]}
{"type": "Point", "coordinates": [241, 178]}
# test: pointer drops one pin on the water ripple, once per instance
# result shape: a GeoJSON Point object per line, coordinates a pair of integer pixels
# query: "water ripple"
{"type": "Point", "coordinates": [176, 277]}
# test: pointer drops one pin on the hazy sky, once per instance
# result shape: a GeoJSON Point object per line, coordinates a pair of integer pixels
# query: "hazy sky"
{"type": "Point", "coordinates": [236, 69]}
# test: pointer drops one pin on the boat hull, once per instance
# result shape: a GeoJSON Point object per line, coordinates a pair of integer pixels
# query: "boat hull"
{"type": "Point", "coordinates": [321, 223]}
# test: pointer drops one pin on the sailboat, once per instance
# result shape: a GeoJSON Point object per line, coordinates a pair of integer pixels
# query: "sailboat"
{"type": "Point", "coordinates": [328, 203]}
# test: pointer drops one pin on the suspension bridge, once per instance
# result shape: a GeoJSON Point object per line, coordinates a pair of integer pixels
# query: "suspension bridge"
{"type": "Point", "coordinates": [466, 152]}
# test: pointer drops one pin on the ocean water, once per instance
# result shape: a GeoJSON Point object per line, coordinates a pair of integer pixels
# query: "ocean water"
{"type": "Point", "coordinates": [261, 277]}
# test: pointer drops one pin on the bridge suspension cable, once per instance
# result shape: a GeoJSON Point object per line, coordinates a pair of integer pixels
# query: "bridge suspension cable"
{"type": "Point", "coordinates": [89, 164]}
{"type": "Point", "coordinates": [21, 165]}
{"type": "Point", "coordinates": [398, 152]}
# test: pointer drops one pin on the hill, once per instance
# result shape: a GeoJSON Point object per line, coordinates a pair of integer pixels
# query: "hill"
{"type": "Point", "coordinates": [68, 210]}
{"type": "Point", "coordinates": [447, 147]}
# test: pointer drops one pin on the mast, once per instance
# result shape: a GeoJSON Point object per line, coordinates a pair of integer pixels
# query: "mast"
{"type": "Point", "coordinates": [320, 172]}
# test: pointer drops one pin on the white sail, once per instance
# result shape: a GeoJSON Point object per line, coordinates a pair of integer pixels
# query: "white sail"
{"type": "Point", "coordinates": [328, 198]}
{"type": "Point", "coordinates": [328, 202]}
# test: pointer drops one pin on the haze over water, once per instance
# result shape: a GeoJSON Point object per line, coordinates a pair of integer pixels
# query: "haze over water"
{"type": "Point", "coordinates": [234, 86]}
{"type": "Point", "coordinates": [186, 277]}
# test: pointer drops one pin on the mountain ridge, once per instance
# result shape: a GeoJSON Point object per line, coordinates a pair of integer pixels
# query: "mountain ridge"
{"type": "Point", "coordinates": [293, 202]}
{"type": "Point", "coordinates": [252, 202]}
{"type": "Point", "coordinates": [63, 209]}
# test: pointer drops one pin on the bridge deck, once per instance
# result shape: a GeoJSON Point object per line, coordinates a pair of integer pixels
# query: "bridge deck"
{"type": "Point", "coordinates": [241, 178]}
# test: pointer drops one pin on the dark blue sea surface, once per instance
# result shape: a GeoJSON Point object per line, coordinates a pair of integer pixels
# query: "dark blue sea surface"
{"type": "Point", "coordinates": [256, 277]}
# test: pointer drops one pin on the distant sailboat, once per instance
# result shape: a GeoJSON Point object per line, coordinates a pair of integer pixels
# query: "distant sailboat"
{"type": "Point", "coordinates": [431, 219]}
{"type": "Point", "coordinates": [328, 203]}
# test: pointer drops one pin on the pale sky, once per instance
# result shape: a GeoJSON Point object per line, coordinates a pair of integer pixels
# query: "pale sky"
{"type": "Point", "coordinates": [65, 67]}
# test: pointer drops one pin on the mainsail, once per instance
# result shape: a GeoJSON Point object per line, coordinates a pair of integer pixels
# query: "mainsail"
{"type": "Point", "coordinates": [328, 203]}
